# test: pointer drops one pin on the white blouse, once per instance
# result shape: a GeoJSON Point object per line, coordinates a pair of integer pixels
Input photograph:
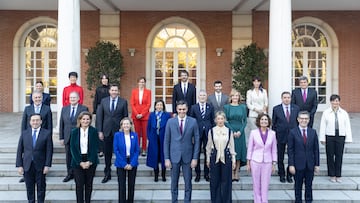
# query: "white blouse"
{"type": "Point", "coordinates": [221, 135]}
{"type": "Point", "coordinates": [84, 139]}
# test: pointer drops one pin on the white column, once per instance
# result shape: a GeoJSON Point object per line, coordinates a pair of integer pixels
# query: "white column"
{"type": "Point", "coordinates": [68, 46]}
{"type": "Point", "coordinates": [279, 50]}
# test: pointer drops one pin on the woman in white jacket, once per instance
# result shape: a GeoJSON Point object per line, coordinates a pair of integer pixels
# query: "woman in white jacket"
{"type": "Point", "coordinates": [335, 131]}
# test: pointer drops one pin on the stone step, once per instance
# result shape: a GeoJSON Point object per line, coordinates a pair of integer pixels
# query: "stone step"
{"type": "Point", "coordinates": [59, 170]}
{"type": "Point", "coordinates": [198, 196]}
{"type": "Point", "coordinates": [147, 183]}
{"type": "Point", "coordinates": [59, 158]}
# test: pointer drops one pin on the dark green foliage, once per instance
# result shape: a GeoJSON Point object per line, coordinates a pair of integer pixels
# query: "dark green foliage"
{"type": "Point", "coordinates": [104, 58]}
{"type": "Point", "coordinates": [249, 62]}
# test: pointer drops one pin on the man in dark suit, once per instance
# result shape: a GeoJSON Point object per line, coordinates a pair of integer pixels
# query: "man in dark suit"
{"type": "Point", "coordinates": [46, 99]}
{"type": "Point", "coordinates": [204, 115]}
{"type": "Point", "coordinates": [108, 116]}
{"type": "Point", "coordinates": [181, 149]}
{"type": "Point", "coordinates": [305, 98]}
{"type": "Point", "coordinates": [218, 99]}
{"type": "Point", "coordinates": [39, 108]}
{"type": "Point", "coordinates": [34, 157]}
{"type": "Point", "coordinates": [303, 153]}
{"type": "Point", "coordinates": [68, 120]}
{"type": "Point", "coordinates": [284, 119]}
{"type": "Point", "coordinates": [185, 91]}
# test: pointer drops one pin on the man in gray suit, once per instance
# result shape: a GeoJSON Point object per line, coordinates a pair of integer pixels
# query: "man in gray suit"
{"type": "Point", "coordinates": [109, 113]}
{"type": "Point", "coordinates": [181, 149]}
{"type": "Point", "coordinates": [218, 99]}
{"type": "Point", "coordinates": [68, 120]}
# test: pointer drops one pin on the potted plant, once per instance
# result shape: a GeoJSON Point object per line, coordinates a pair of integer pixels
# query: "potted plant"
{"type": "Point", "coordinates": [250, 61]}
{"type": "Point", "coordinates": [104, 58]}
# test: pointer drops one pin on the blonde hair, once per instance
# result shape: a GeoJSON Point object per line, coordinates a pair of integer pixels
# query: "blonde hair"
{"type": "Point", "coordinates": [232, 93]}
{"type": "Point", "coordinates": [131, 124]}
{"type": "Point", "coordinates": [220, 113]}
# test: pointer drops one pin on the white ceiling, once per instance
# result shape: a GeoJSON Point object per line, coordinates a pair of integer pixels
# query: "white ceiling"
{"type": "Point", "coordinates": [180, 5]}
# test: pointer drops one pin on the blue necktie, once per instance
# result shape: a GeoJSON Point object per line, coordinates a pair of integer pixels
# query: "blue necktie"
{"type": "Point", "coordinates": [113, 105]}
{"type": "Point", "coordinates": [72, 116]}
{"type": "Point", "coordinates": [202, 111]}
{"type": "Point", "coordinates": [34, 138]}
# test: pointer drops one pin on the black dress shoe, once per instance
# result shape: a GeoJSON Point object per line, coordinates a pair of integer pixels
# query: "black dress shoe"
{"type": "Point", "coordinates": [68, 178]}
{"type": "Point", "coordinates": [106, 179]}
{"type": "Point", "coordinates": [282, 179]}
{"type": "Point", "coordinates": [289, 179]}
{"type": "Point", "coordinates": [197, 179]}
{"type": "Point", "coordinates": [207, 179]}
{"type": "Point", "coordinates": [21, 180]}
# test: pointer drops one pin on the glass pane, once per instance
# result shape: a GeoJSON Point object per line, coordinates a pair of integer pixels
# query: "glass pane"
{"type": "Point", "coordinates": [176, 43]}
{"type": "Point", "coordinates": [169, 91]}
{"type": "Point", "coordinates": [193, 43]}
{"type": "Point", "coordinates": [52, 64]}
{"type": "Point", "coordinates": [169, 73]}
{"type": "Point", "coordinates": [168, 100]}
{"type": "Point", "coordinates": [322, 91]}
{"type": "Point", "coordinates": [192, 58]}
{"type": "Point", "coordinates": [322, 64]}
{"type": "Point", "coordinates": [312, 72]}
{"type": "Point", "coordinates": [39, 55]}
{"type": "Point", "coordinates": [53, 82]}
{"type": "Point", "coordinates": [52, 73]}
{"type": "Point", "coordinates": [170, 31]}
{"type": "Point", "coordinates": [298, 72]}
{"type": "Point", "coordinates": [158, 73]}
{"type": "Point", "coordinates": [159, 55]}
{"type": "Point", "coordinates": [169, 82]}
{"type": "Point", "coordinates": [180, 32]}
{"type": "Point", "coordinates": [322, 99]}
{"type": "Point", "coordinates": [158, 43]}
{"type": "Point", "coordinates": [39, 64]}
{"type": "Point", "coordinates": [159, 91]}
{"type": "Point", "coordinates": [309, 30]}
{"type": "Point", "coordinates": [188, 35]}
{"type": "Point", "coordinates": [158, 82]}
{"type": "Point", "coordinates": [312, 55]}
{"type": "Point", "coordinates": [39, 74]}
{"type": "Point", "coordinates": [311, 64]}
{"type": "Point", "coordinates": [29, 72]}
{"type": "Point", "coordinates": [52, 55]}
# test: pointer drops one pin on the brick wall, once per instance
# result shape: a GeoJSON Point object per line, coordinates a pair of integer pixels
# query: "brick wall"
{"type": "Point", "coordinates": [347, 29]}
{"type": "Point", "coordinates": [215, 26]}
{"type": "Point", "coordinates": [10, 22]}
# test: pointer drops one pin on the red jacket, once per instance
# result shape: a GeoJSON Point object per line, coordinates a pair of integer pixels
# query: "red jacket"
{"type": "Point", "coordinates": [144, 107]}
{"type": "Point", "coordinates": [72, 88]}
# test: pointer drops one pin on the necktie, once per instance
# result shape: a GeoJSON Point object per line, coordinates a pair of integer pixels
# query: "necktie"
{"type": "Point", "coordinates": [158, 120]}
{"type": "Point", "coordinates": [181, 126]}
{"type": "Point", "coordinates": [34, 138]}
{"type": "Point", "coordinates": [287, 114]}
{"type": "Point", "coordinates": [202, 111]}
{"type": "Point", "coordinates": [113, 105]}
{"type": "Point", "coordinates": [185, 90]}
{"type": "Point", "coordinates": [219, 100]}
{"type": "Point", "coordinates": [304, 96]}
{"type": "Point", "coordinates": [304, 136]}
{"type": "Point", "coordinates": [72, 116]}
{"type": "Point", "coordinates": [336, 121]}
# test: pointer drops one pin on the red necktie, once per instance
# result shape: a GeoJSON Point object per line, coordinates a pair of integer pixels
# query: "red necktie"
{"type": "Point", "coordinates": [287, 114]}
{"type": "Point", "coordinates": [181, 126]}
{"type": "Point", "coordinates": [304, 96]}
{"type": "Point", "coordinates": [304, 136]}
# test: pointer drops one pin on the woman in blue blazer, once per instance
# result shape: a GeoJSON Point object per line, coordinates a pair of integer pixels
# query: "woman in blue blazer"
{"type": "Point", "coordinates": [126, 149]}
{"type": "Point", "coordinates": [155, 134]}
{"type": "Point", "coordinates": [84, 144]}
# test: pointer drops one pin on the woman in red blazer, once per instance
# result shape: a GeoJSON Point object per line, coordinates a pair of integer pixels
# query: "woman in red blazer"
{"type": "Point", "coordinates": [140, 105]}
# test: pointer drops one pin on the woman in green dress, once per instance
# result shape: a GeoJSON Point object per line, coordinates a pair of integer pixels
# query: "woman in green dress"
{"type": "Point", "coordinates": [235, 113]}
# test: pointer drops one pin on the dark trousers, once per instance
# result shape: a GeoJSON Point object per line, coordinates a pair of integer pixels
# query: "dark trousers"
{"type": "Point", "coordinates": [84, 180]}
{"type": "Point", "coordinates": [280, 154]}
{"type": "Point", "coordinates": [32, 177]}
{"type": "Point", "coordinates": [334, 154]}
{"type": "Point", "coordinates": [122, 184]}
{"type": "Point", "coordinates": [108, 152]}
{"type": "Point", "coordinates": [221, 182]}
{"type": "Point", "coordinates": [203, 142]}
{"type": "Point", "coordinates": [301, 176]}
{"type": "Point", "coordinates": [175, 173]}
{"type": "Point", "coordinates": [68, 159]}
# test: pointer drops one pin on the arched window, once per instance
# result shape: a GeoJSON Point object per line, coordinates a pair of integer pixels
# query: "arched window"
{"type": "Point", "coordinates": [310, 56]}
{"type": "Point", "coordinates": [175, 47]}
{"type": "Point", "coordinates": [40, 51]}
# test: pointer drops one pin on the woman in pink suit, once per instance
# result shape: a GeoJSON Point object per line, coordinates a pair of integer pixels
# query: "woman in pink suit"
{"type": "Point", "coordinates": [140, 105]}
{"type": "Point", "coordinates": [261, 157]}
